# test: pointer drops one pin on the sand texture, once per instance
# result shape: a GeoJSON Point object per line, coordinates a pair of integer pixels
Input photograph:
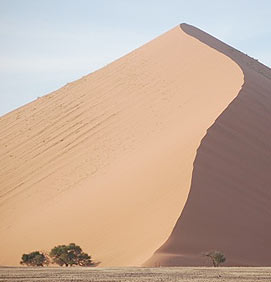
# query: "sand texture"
{"type": "Point", "coordinates": [108, 161]}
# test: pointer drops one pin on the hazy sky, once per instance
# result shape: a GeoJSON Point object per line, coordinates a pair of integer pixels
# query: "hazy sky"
{"type": "Point", "coordinates": [46, 43]}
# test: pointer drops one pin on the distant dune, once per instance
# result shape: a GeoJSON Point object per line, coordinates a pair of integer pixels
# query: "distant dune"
{"type": "Point", "coordinates": [179, 128]}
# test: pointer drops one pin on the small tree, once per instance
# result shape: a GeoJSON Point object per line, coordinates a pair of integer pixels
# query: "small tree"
{"type": "Point", "coordinates": [69, 255]}
{"type": "Point", "coordinates": [217, 257]}
{"type": "Point", "coordinates": [34, 259]}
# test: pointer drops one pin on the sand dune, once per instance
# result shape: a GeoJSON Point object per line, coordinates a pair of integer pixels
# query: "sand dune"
{"type": "Point", "coordinates": [107, 160]}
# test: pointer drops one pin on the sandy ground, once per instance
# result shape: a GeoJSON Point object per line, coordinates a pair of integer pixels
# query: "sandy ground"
{"type": "Point", "coordinates": [223, 274]}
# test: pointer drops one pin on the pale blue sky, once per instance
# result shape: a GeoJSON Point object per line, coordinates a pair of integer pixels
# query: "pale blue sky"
{"type": "Point", "coordinates": [45, 44]}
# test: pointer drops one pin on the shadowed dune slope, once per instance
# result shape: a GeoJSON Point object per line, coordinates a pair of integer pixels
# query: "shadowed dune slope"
{"type": "Point", "coordinates": [106, 161]}
{"type": "Point", "coordinates": [229, 204]}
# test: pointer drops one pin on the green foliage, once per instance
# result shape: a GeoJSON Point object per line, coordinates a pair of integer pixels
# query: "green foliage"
{"type": "Point", "coordinates": [69, 255]}
{"type": "Point", "coordinates": [35, 259]}
{"type": "Point", "coordinates": [216, 257]}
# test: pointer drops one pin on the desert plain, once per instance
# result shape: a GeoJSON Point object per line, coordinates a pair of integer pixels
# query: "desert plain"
{"type": "Point", "coordinates": [136, 274]}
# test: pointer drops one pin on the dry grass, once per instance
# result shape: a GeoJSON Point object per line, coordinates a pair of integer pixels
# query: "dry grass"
{"type": "Point", "coordinates": [201, 274]}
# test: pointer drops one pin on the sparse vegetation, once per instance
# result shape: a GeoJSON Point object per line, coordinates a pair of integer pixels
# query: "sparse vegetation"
{"type": "Point", "coordinates": [69, 255]}
{"type": "Point", "coordinates": [63, 255]}
{"type": "Point", "coordinates": [217, 257]}
{"type": "Point", "coordinates": [34, 259]}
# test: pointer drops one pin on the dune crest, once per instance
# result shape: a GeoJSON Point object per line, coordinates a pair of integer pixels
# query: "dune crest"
{"type": "Point", "coordinates": [106, 161]}
{"type": "Point", "coordinates": [228, 207]}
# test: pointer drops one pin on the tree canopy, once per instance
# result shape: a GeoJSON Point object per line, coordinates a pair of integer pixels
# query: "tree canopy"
{"type": "Point", "coordinates": [69, 255]}
{"type": "Point", "coordinates": [217, 257]}
{"type": "Point", "coordinates": [34, 259]}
